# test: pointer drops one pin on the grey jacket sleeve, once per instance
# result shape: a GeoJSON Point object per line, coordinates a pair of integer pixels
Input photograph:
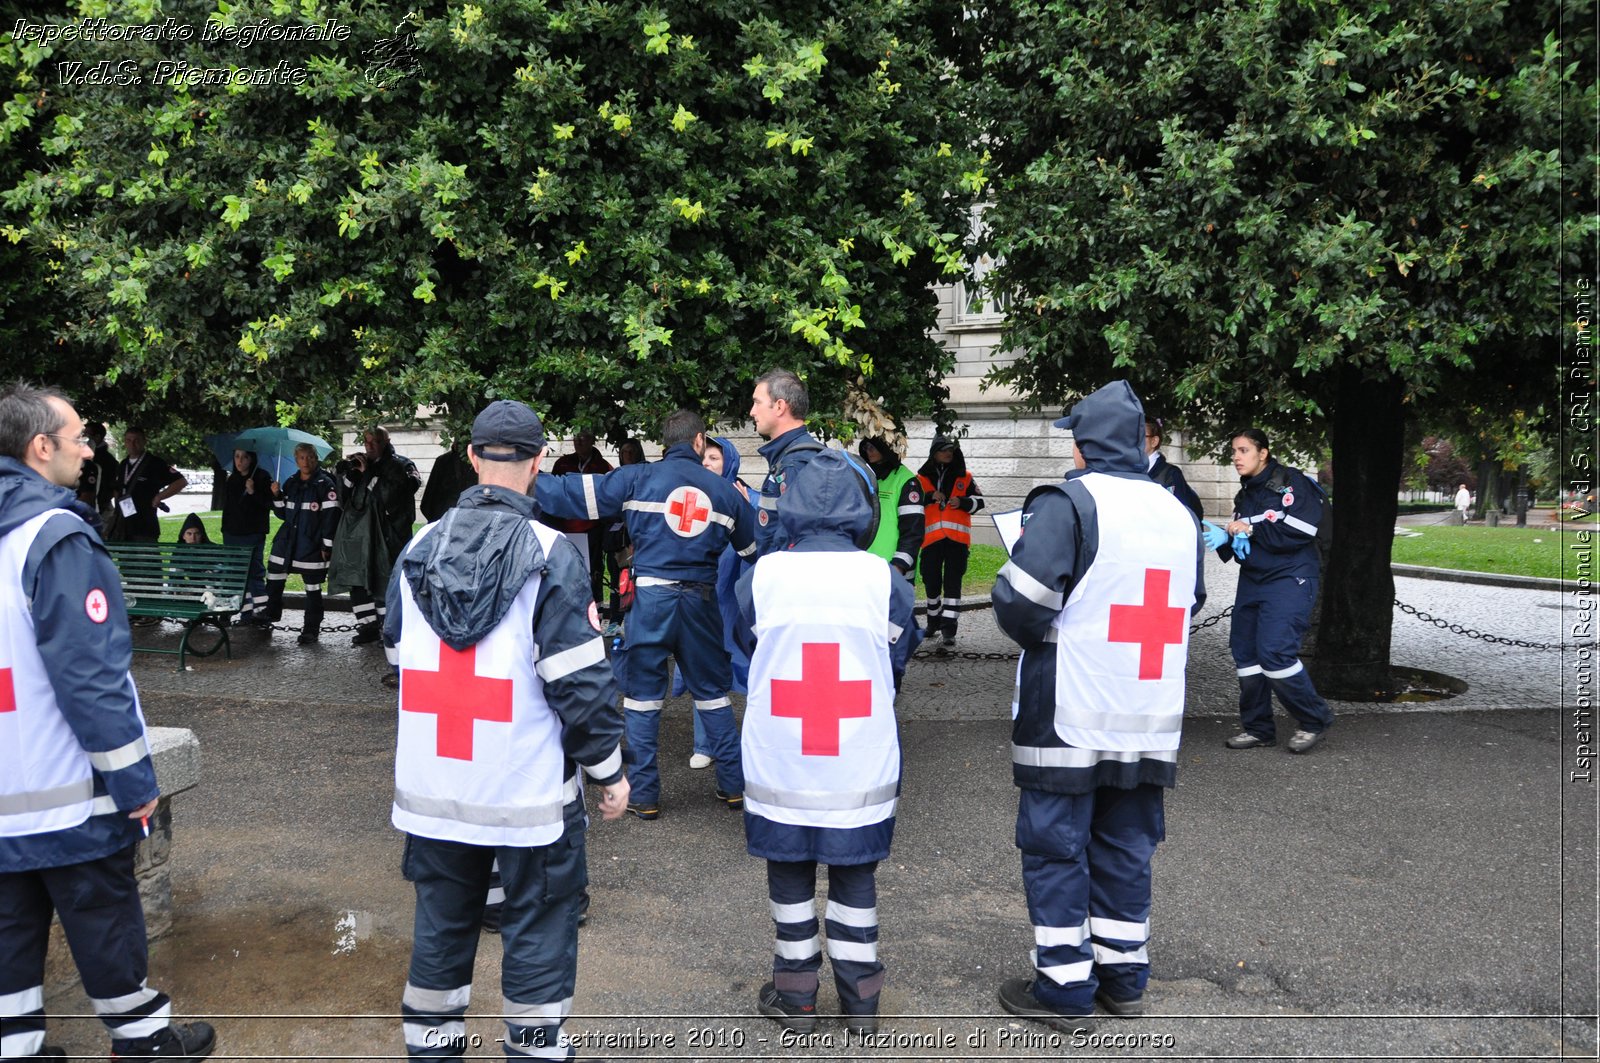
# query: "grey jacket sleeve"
{"type": "Point", "coordinates": [578, 681]}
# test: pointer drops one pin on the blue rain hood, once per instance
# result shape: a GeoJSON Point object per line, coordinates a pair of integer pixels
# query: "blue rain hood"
{"type": "Point", "coordinates": [1108, 429]}
{"type": "Point", "coordinates": [730, 458]}
{"type": "Point", "coordinates": [826, 499]}
{"type": "Point", "coordinates": [24, 494]}
{"type": "Point", "coordinates": [465, 574]}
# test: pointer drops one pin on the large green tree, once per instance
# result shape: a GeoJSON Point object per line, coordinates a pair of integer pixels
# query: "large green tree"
{"type": "Point", "coordinates": [1317, 217]}
{"type": "Point", "coordinates": [608, 208]}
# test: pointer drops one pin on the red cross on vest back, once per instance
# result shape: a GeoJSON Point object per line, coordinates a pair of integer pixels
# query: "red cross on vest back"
{"type": "Point", "coordinates": [1154, 625]}
{"type": "Point", "coordinates": [820, 700]}
{"type": "Point", "coordinates": [459, 696]}
{"type": "Point", "coordinates": [8, 692]}
{"type": "Point", "coordinates": [689, 511]}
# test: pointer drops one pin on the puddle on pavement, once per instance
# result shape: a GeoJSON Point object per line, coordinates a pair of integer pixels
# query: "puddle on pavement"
{"type": "Point", "coordinates": [276, 984]}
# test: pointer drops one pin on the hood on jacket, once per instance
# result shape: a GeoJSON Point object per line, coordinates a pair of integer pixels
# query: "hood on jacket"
{"type": "Point", "coordinates": [933, 470]}
{"type": "Point", "coordinates": [891, 461]}
{"type": "Point", "coordinates": [24, 494]}
{"type": "Point", "coordinates": [1108, 429]}
{"type": "Point", "coordinates": [466, 572]}
{"type": "Point", "coordinates": [827, 499]}
{"type": "Point", "coordinates": [730, 457]}
{"type": "Point", "coordinates": [193, 521]}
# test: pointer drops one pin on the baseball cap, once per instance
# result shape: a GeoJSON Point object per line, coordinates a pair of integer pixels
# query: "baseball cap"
{"type": "Point", "coordinates": [504, 423]}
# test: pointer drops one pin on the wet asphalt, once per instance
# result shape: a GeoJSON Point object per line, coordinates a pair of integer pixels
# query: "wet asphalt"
{"type": "Point", "coordinates": [1420, 886]}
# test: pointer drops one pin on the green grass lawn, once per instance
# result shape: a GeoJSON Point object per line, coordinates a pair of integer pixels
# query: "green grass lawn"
{"type": "Point", "coordinates": [1513, 551]}
{"type": "Point", "coordinates": [982, 565]}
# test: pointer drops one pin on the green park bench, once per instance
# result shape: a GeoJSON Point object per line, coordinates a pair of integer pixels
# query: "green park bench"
{"type": "Point", "coordinates": [202, 587]}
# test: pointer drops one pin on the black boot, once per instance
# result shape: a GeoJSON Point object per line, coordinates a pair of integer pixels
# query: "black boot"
{"type": "Point", "coordinates": [180, 1042]}
{"type": "Point", "coordinates": [366, 633]}
{"type": "Point", "coordinates": [311, 630]}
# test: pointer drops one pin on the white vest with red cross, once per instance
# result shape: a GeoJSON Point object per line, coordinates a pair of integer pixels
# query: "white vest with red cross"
{"type": "Point", "coordinates": [820, 744]}
{"type": "Point", "coordinates": [479, 758]}
{"type": "Point", "coordinates": [1122, 639]}
{"type": "Point", "coordinates": [48, 783]}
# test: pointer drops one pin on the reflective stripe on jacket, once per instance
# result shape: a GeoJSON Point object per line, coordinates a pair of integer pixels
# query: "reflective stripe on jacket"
{"type": "Point", "coordinates": [949, 521]}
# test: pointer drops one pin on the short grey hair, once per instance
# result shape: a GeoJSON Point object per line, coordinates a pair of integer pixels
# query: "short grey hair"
{"type": "Point", "coordinates": [782, 384]}
{"type": "Point", "coordinates": [25, 412]}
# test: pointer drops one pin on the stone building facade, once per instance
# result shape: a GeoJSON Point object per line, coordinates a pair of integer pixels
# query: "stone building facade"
{"type": "Point", "coordinates": [1008, 455]}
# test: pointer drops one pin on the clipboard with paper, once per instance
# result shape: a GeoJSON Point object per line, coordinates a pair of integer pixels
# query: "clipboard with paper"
{"type": "Point", "coordinates": [1009, 525]}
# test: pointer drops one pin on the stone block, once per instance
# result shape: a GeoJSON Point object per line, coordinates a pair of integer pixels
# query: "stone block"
{"type": "Point", "coordinates": [176, 754]}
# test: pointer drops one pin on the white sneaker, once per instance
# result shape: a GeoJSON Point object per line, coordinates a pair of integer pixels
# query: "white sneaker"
{"type": "Point", "coordinates": [699, 760]}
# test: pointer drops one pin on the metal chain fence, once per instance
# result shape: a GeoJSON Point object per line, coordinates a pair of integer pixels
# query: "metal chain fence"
{"type": "Point", "coordinates": [1472, 633]}
{"type": "Point", "coordinates": [1212, 621]}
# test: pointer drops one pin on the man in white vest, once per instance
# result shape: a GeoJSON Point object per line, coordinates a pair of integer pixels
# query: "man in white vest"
{"type": "Point", "coordinates": [821, 748]}
{"type": "Point", "coordinates": [506, 702]}
{"type": "Point", "coordinates": [77, 786]}
{"type": "Point", "coordinates": [1098, 592]}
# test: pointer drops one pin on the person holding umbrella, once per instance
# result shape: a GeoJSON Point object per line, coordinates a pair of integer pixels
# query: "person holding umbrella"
{"type": "Point", "coordinates": [308, 505]}
{"type": "Point", "coordinates": [246, 510]}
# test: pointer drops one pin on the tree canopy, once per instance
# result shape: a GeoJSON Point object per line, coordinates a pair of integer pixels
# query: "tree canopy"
{"type": "Point", "coordinates": [1233, 202]}
{"type": "Point", "coordinates": [1315, 217]}
{"type": "Point", "coordinates": [608, 208]}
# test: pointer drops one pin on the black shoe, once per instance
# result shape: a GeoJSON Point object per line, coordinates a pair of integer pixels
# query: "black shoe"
{"type": "Point", "coordinates": [733, 801]}
{"type": "Point", "coordinates": [391, 680]}
{"type": "Point", "coordinates": [188, 1041]}
{"type": "Point", "coordinates": [862, 1023]}
{"type": "Point", "coordinates": [645, 811]}
{"type": "Point", "coordinates": [308, 638]}
{"type": "Point", "coordinates": [1246, 740]}
{"type": "Point", "coordinates": [1016, 996]}
{"type": "Point", "coordinates": [491, 918]}
{"type": "Point", "coordinates": [1122, 1009]}
{"type": "Point", "coordinates": [796, 1018]}
{"type": "Point", "coordinates": [583, 909]}
{"type": "Point", "coordinates": [367, 633]}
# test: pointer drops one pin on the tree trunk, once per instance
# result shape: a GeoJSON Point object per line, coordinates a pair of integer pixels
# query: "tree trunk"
{"type": "Point", "coordinates": [1352, 659]}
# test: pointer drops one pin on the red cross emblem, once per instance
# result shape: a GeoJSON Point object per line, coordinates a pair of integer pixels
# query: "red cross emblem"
{"type": "Point", "coordinates": [820, 700]}
{"type": "Point", "coordinates": [459, 696]}
{"type": "Point", "coordinates": [1154, 625]}
{"type": "Point", "coordinates": [692, 517]}
{"type": "Point", "coordinates": [8, 693]}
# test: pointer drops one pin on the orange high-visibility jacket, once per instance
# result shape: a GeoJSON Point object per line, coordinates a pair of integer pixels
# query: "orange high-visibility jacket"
{"type": "Point", "coordinates": [953, 520]}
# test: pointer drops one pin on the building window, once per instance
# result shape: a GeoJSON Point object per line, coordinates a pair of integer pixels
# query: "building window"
{"type": "Point", "coordinates": [973, 304]}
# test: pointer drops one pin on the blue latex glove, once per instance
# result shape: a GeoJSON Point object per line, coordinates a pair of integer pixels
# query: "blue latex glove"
{"type": "Point", "coordinates": [1214, 535]}
{"type": "Point", "coordinates": [1241, 547]}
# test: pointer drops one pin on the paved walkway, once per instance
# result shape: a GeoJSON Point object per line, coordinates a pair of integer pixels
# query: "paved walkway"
{"type": "Point", "coordinates": [1422, 886]}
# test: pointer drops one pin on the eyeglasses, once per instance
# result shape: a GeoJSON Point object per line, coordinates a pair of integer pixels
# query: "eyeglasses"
{"type": "Point", "coordinates": [82, 441]}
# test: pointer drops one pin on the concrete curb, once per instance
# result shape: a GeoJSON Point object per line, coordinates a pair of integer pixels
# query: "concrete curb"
{"type": "Point", "coordinates": [1487, 579]}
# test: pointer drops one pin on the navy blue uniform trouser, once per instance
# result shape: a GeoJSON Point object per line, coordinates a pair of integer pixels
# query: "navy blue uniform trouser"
{"type": "Point", "coordinates": [852, 920]}
{"type": "Point", "coordinates": [255, 587]}
{"type": "Point", "coordinates": [1086, 871]}
{"type": "Point", "coordinates": [539, 935]}
{"type": "Point", "coordinates": [1269, 620]}
{"type": "Point", "coordinates": [681, 620]}
{"type": "Point", "coordinates": [103, 918]}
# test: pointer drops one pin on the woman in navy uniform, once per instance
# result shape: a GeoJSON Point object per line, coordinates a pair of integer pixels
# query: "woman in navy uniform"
{"type": "Point", "coordinates": [308, 505]}
{"type": "Point", "coordinates": [1273, 537]}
